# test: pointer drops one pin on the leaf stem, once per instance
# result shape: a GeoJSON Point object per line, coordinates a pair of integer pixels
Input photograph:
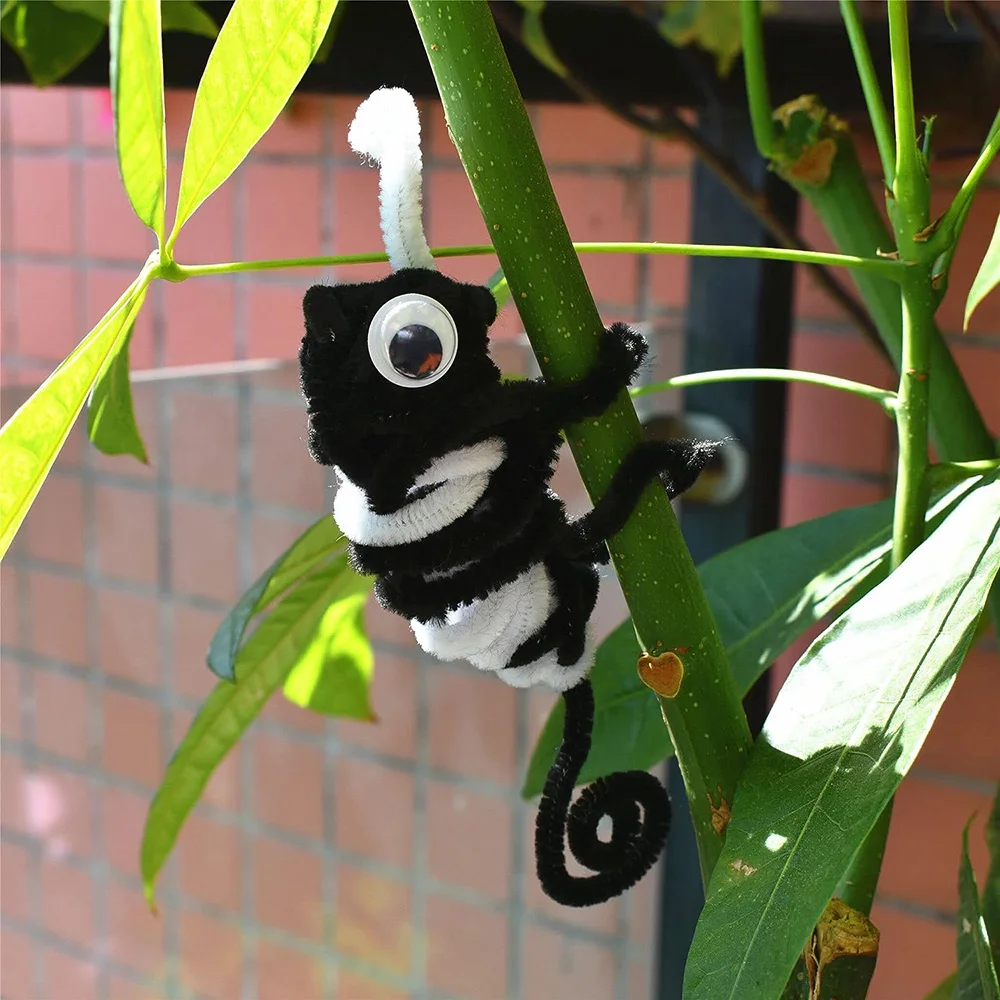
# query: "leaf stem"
{"type": "Point", "coordinates": [755, 73]}
{"type": "Point", "coordinates": [887, 268]}
{"type": "Point", "coordinates": [886, 398]}
{"type": "Point", "coordinates": [881, 125]}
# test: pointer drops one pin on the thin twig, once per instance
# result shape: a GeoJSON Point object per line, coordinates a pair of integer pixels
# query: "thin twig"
{"type": "Point", "coordinates": [668, 125]}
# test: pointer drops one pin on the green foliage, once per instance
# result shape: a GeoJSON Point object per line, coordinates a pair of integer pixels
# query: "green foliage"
{"type": "Point", "coordinates": [835, 746]}
{"type": "Point", "coordinates": [32, 437]}
{"type": "Point", "coordinates": [977, 976]}
{"type": "Point", "coordinates": [137, 100]}
{"type": "Point", "coordinates": [111, 422]}
{"type": "Point", "coordinates": [301, 627]}
{"type": "Point", "coordinates": [713, 25]}
{"type": "Point", "coordinates": [317, 545]}
{"type": "Point", "coordinates": [991, 888]}
{"type": "Point", "coordinates": [261, 53]}
{"type": "Point", "coordinates": [50, 40]}
{"type": "Point", "coordinates": [987, 278]}
{"type": "Point", "coordinates": [764, 593]}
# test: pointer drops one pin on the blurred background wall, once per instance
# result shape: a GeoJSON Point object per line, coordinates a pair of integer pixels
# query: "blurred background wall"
{"type": "Point", "coordinates": [338, 859]}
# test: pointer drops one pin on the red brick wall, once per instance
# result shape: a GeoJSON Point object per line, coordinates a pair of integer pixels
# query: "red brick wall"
{"type": "Point", "coordinates": [338, 859]}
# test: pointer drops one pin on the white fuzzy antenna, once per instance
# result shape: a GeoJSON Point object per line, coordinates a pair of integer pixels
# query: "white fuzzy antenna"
{"type": "Point", "coordinates": [386, 127]}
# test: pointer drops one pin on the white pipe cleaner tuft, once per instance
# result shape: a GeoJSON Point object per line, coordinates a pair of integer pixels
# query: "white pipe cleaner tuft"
{"type": "Point", "coordinates": [386, 128]}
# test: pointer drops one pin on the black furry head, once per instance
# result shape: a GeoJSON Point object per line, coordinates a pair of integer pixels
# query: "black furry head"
{"type": "Point", "coordinates": [356, 413]}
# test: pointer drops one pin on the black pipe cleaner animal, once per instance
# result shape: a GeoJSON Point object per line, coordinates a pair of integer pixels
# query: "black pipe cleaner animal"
{"type": "Point", "coordinates": [444, 497]}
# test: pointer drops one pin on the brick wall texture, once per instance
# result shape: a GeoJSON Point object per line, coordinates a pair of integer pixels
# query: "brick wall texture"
{"type": "Point", "coordinates": [334, 859]}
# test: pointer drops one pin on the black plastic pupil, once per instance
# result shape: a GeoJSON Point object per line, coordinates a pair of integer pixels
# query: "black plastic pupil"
{"type": "Point", "coordinates": [415, 351]}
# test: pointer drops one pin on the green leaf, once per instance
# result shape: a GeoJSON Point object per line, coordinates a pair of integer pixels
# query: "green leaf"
{"type": "Point", "coordinates": [261, 53]}
{"type": "Point", "coordinates": [263, 664]}
{"type": "Point", "coordinates": [945, 990]}
{"type": "Point", "coordinates": [51, 41]}
{"type": "Point", "coordinates": [111, 422]}
{"type": "Point", "coordinates": [32, 437]}
{"type": "Point", "coordinates": [764, 593]}
{"type": "Point", "coordinates": [137, 99]}
{"type": "Point", "coordinates": [318, 543]}
{"type": "Point", "coordinates": [186, 15]}
{"type": "Point", "coordinates": [537, 42]}
{"type": "Point", "coordinates": [843, 731]}
{"type": "Point", "coordinates": [714, 25]}
{"type": "Point", "coordinates": [987, 278]}
{"type": "Point", "coordinates": [99, 10]}
{"type": "Point", "coordinates": [991, 890]}
{"type": "Point", "coordinates": [175, 15]}
{"type": "Point", "coordinates": [977, 976]}
{"type": "Point", "coordinates": [334, 674]}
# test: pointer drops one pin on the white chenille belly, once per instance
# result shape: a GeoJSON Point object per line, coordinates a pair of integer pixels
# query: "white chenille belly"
{"type": "Point", "coordinates": [485, 632]}
{"type": "Point", "coordinates": [463, 476]}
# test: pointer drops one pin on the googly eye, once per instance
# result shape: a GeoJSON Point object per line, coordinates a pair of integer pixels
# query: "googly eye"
{"type": "Point", "coordinates": [412, 340]}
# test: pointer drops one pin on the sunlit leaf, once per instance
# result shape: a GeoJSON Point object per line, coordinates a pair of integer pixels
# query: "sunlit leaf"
{"type": "Point", "coordinates": [137, 101]}
{"type": "Point", "coordinates": [50, 40]}
{"type": "Point", "coordinates": [260, 55]}
{"type": "Point", "coordinates": [282, 639]}
{"type": "Point", "coordinates": [111, 422]}
{"type": "Point", "coordinates": [713, 25]}
{"type": "Point", "coordinates": [334, 674]}
{"type": "Point", "coordinates": [843, 731]}
{"type": "Point", "coordinates": [322, 541]}
{"type": "Point", "coordinates": [764, 594]}
{"type": "Point", "coordinates": [987, 278]}
{"type": "Point", "coordinates": [977, 976]}
{"type": "Point", "coordinates": [32, 438]}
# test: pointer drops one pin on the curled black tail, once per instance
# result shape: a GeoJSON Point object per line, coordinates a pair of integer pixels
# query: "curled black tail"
{"type": "Point", "coordinates": [637, 838]}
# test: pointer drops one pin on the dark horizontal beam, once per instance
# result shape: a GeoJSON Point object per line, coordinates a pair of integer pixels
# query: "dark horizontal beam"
{"type": "Point", "coordinates": [620, 52]}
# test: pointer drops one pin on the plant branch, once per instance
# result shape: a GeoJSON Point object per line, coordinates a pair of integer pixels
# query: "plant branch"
{"type": "Point", "coordinates": [885, 398]}
{"type": "Point", "coordinates": [487, 120]}
{"type": "Point", "coordinates": [881, 125]}
{"type": "Point", "coordinates": [875, 265]}
{"type": "Point", "coordinates": [755, 73]}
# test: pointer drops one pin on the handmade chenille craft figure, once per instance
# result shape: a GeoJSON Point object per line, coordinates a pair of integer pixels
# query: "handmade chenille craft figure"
{"type": "Point", "coordinates": [444, 497]}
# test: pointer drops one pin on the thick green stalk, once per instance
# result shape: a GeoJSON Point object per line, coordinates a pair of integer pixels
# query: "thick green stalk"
{"type": "Point", "coordinates": [881, 126]}
{"type": "Point", "coordinates": [849, 214]}
{"type": "Point", "coordinates": [489, 125]}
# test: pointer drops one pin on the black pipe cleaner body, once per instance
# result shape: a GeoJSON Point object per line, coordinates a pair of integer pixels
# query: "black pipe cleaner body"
{"type": "Point", "coordinates": [444, 496]}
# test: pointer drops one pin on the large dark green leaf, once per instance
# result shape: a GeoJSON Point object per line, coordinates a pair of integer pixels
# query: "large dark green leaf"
{"type": "Point", "coordinates": [31, 439]}
{"type": "Point", "coordinates": [977, 976]}
{"type": "Point", "coordinates": [50, 40]}
{"type": "Point", "coordinates": [111, 422]}
{"type": "Point", "coordinates": [319, 543]}
{"type": "Point", "coordinates": [289, 634]}
{"type": "Point", "coordinates": [260, 55]}
{"type": "Point", "coordinates": [845, 728]}
{"type": "Point", "coordinates": [764, 593]}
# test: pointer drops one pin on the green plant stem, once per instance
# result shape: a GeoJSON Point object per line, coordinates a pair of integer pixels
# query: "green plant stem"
{"type": "Point", "coordinates": [886, 398]}
{"type": "Point", "coordinates": [874, 265]}
{"type": "Point", "coordinates": [489, 125]}
{"type": "Point", "coordinates": [909, 209]}
{"type": "Point", "coordinates": [881, 125]}
{"type": "Point", "coordinates": [755, 73]}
